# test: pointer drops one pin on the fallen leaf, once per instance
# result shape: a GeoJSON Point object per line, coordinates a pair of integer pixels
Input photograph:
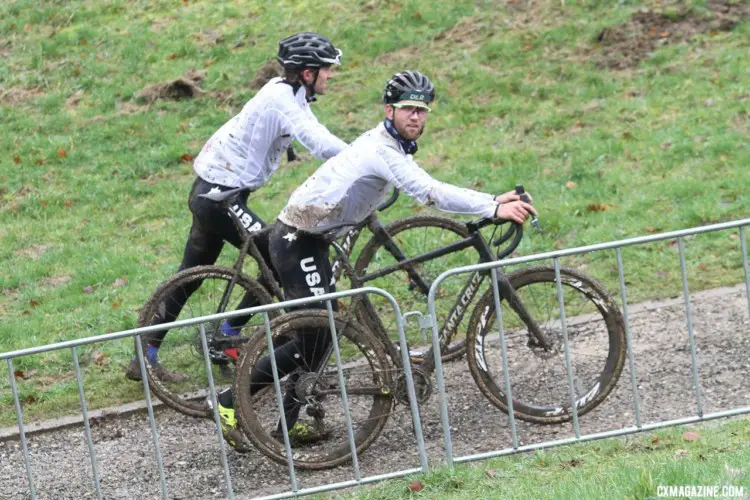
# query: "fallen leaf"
{"type": "Point", "coordinates": [120, 282]}
{"type": "Point", "coordinates": [187, 157]}
{"type": "Point", "coordinates": [680, 452]}
{"type": "Point", "coordinates": [68, 203]}
{"type": "Point", "coordinates": [576, 127]}
{"type": "Point", "coordinates": [62, 153]}
{"type": "Point", "coordinates": [17, 159]}
{"type": "Point", "coordinates": [666, 145]}
{"type": "Point", "coordinates": [652, 229]}
{"type": "Point", "coordinates": [571, 185]}
{"type": "Point", "coordinates": [29, 399]}
{"type": "Point", "coordinates": [702, 266]}
{"type": "Point", "coordinates": [83, 42]}
{"type": "Point", "coordinates": [40, 161]}
{"type": "Point", "coordinates": [665, 34]}
{"type": "Point", "coordinates": [416, 486]}
{"type": "Point", "coordinates": [99, 358]}
{"type": "Point", "coordinates": [655, 440]}
{"type": "Point", "coordinates": [43, 203]}
{"type": "Point", "coordinates": [33, 303]}
{"type": "Point", "coordinates": [172, 57]}
{"type": "Point", "coordinates": [672, 243]}
{"type": "Point", "coordinates": [598, 207]}
{"type": "Point", "coordinates": [116, 304]}
{"type": "Point", "coordinates": [88, 289]}
{"type": "Point", "coordinates": [491, 473]}
{"type": "Point", "coordinates": [27, 27]}
{"type": "Point", "coordinates": [19, 374]}
{"type": "Point", "coordinates": [690, 436]}
{"type": "Point", "coordinates": [25, 312]}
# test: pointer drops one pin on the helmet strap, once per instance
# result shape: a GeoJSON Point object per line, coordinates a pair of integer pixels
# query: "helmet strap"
{"type": "Point", "coordinates": [310, 86]}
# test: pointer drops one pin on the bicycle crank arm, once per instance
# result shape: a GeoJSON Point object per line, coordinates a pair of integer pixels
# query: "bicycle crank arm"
{"type": "Point", "coordinates": [222, 344]}
{"type": "Point", "coordinates": [357, 391]}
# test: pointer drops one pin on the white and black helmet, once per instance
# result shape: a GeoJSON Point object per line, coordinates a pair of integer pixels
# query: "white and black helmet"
{"type": "Point", "coordinates": [307, 50]}
{"type": "Point", "coordinates": [409, 86]}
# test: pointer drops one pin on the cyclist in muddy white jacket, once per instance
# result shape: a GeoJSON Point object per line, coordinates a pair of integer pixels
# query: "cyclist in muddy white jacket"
{"type": "Point", "coordinates": [245, 152]}
{"type": "Point", "coordinates": [345, 190]}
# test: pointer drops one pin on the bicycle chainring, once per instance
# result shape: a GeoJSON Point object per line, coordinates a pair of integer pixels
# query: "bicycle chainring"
{"type": "Point", "coordinates": [422, 386]}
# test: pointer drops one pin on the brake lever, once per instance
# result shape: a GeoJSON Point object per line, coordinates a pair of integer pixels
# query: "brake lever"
{"type": "Point", "coordinates": [525, 198]}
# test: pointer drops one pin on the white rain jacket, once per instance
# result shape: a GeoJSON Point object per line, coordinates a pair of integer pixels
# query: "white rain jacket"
{"type": "Point", "coordinates": [350, 186]}
{"type": "Point", "coordinates": [247, 149]}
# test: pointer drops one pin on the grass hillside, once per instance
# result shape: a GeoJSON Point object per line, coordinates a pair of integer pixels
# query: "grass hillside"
{"type": "Point", "coordinates": [622, 118]}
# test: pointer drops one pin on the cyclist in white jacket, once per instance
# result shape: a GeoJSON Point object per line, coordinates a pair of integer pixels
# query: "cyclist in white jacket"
{"type": "Point", "coordinates": [245, 152]}
{"type": "Point", "coordinates": [345, 190]}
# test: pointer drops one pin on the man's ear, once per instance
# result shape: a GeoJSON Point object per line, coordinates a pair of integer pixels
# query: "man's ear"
{"type": "Point", "coordinates": [389, 111]}
{"type": "Point", "coordinates": [307, 76]}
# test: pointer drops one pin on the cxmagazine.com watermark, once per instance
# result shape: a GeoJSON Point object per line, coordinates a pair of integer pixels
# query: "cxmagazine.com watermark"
{"type": "Point", "coordinates": [700, 491]}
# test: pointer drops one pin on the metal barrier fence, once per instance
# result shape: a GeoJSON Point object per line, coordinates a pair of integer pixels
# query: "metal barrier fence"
{"type": "Point", "coordinates": [423, 466]}
{"type": "Point", "coordinates": [136, 333]}
{"type": "Point", "coordinates": [555, 256]}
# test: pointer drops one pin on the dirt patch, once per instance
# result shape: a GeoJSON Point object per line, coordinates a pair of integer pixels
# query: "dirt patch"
{"type": "Point", "coordinates": [73, 101]}
{"type": "Point", "coordinates": [55, 281]}
{"type": "Point", "coordinates": [184, 87]}
{"type": "Point", "coordinates": [6, 47]}
{"type": "Point", "coordinates": [625, 45]}
{"type": "Point", "coordinates": [270, 69]}
{"type": "Point", "coordinates": [123, 109]}
{"type": "Point", "coordinates": [16, 95]}
{"type": "Point", "coordinates": [33, 252]}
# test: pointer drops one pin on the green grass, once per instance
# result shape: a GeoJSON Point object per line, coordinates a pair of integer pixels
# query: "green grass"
{"type": "Point", "coordinates": [632, 468]}
{"type": "Point", "coordinates": [93, 189]}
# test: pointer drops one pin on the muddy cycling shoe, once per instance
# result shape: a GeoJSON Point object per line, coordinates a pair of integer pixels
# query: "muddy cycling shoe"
{"type": "Point", "coordinates": [303, 433]}
{"type": "Point", "coordinates": [232, 434]}
{"type": "Point", "coordinates": [134, 372]}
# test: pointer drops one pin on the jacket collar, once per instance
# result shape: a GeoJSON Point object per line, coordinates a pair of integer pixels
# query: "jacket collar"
{"type": "Point", "coordinates": [409, 147]}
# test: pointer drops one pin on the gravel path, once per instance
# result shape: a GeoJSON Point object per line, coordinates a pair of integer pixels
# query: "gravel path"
{"type": "Point", "coordinates": [127, 462]}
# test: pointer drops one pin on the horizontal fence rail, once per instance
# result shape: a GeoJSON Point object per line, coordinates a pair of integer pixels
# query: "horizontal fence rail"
{"type": "Point", "coordinates": [137, 332]}
{"type": "Point", "coordinates": [494, 271]}
{"type": "Point", "coordinates": [493, 268]}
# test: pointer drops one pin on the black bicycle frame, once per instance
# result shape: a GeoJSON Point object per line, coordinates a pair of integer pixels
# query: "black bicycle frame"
{"type": "Point", "coordinates": [465, 298]}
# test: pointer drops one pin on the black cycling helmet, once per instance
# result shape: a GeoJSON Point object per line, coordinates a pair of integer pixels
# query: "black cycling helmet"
{"type": "Point", "coordinates": [409, 88]}
{"type": "Point", "coordinates": [307, 50]}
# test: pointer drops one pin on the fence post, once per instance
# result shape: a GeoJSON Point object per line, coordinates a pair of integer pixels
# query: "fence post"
{"type": "Point", "coordinates": [86, 425]}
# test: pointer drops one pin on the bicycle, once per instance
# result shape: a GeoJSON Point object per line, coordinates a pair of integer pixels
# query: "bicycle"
{"type": "Point", "coordinates": [374, 374]}
{"type": "Point", "coordinates": [203, 290]}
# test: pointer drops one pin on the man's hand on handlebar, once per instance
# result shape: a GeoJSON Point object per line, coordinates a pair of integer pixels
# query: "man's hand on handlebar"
{"type": "Point", "coordinates": [511, 196]}
{"type": "Point", "coordinates": [516, 211]}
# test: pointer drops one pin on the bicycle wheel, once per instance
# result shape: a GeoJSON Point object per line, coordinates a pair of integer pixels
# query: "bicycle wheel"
{"type": "Point", "coordinates": [415, 236]}
{"type": "Point", "coordinates": [539, 378]}
{"type": "Point", "coordinates": [368, 382]}
{"type": "Point", "coordinates": [201, 289]}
